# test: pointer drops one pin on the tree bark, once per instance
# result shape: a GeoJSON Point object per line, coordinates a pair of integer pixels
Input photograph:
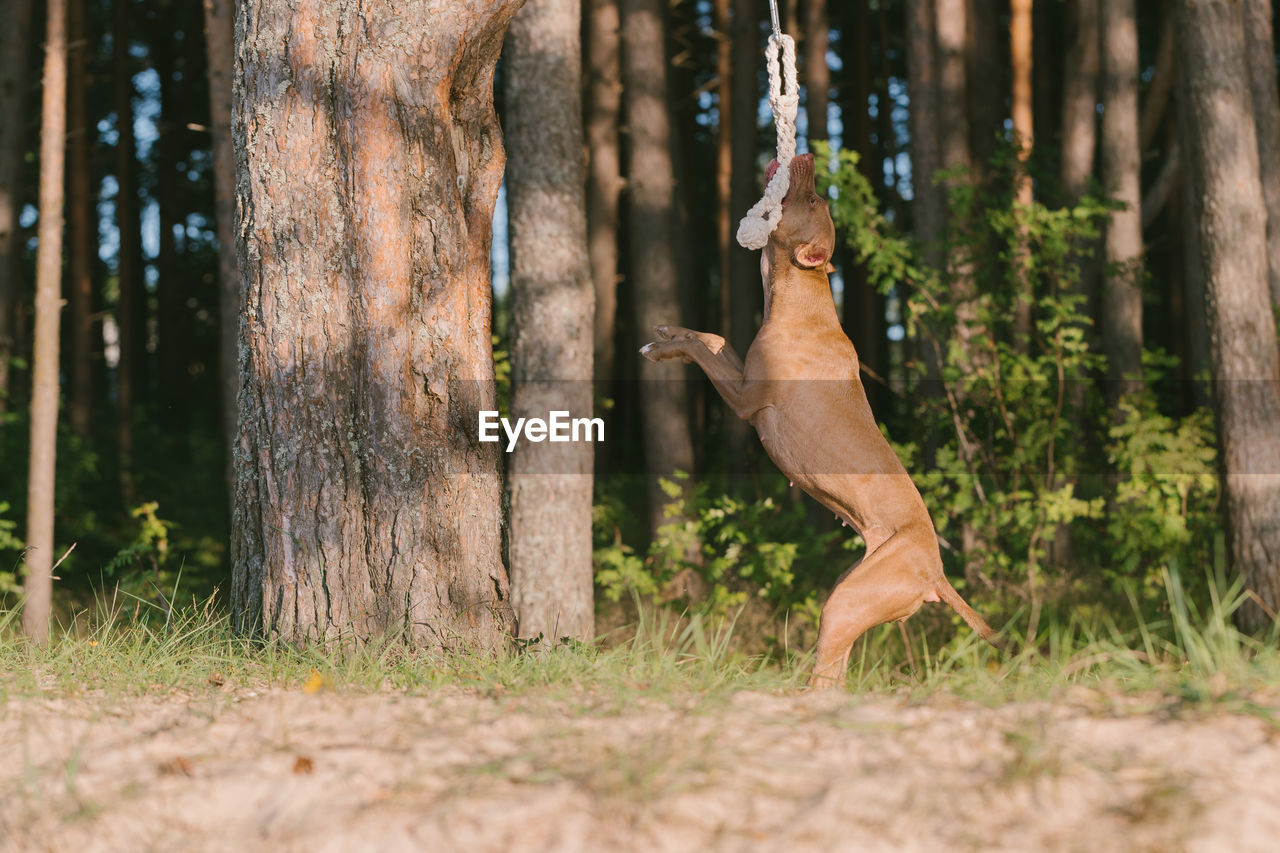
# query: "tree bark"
{"type": "Point", "coordinates": [1157, 100]}
{"type": "Point", "coordinates": [928, 200]}
{"type": "Point", "coordinates": [863, 309]}
{"type": "Point", "coordinates": [928, 204]}
{"type": "Point", "coordinates": [365, 504]}
{"type": "Point", "coordinates": [1121, 163]}
{"type": "Point", "coordinates": [604, 178]}
{"type": "Point", "coordinates": [668, 444]}
{"type": "Point", "coordinates": [220, 49]}
{"type": "Point", "coordinates": [1080, 98]}
{"type": "Point", "coordinates": [38, 583]}
{"type": "Point", "coordinates": [1259, 36]}
{"type": "Point", "coordinates": [1023, 135]}
{"type": "Point", "coordinates": [1246, 364]}
{"type": "Point", "coordinates": [817, 76]}
{"type": "Point", "coordinates": [13, 86]}
{"type": "Point", "coordinates": [81, 235]}
{"type": "Point", "coordinates": [986, 90]}
{"type": "Point", "coordinates": [1193, 287]}
{"type": "Point", "coordinates": [129, 257]}
{"type": "Point", "coordinates": [951, 29]}
{"type": "Point", "coordinates": [171, 290]}
{"type": "Point", "coordinates": [724, 155]}
{"type": "Point", "coordinates": [549, 484]}
{"type": "Point", "coordinates": [747, 296]}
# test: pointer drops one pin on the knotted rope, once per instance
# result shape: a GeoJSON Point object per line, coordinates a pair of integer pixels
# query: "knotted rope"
{"type": "Point", "coordinates": [758, 224]}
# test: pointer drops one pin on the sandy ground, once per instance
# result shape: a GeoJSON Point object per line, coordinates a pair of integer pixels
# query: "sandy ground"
{"type": "Point", "coordinates": [470, 770]}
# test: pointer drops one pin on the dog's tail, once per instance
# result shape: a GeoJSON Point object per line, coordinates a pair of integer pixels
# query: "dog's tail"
{"type": "Point", "coordinates": [948, 594]}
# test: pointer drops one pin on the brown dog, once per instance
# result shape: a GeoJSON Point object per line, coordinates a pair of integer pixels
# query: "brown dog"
{"type": "Point", "coordinates": [801, 390]}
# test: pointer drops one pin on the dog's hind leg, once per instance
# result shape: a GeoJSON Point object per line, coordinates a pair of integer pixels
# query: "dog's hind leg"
{"type": "Point", "coordinates": [890, 584]}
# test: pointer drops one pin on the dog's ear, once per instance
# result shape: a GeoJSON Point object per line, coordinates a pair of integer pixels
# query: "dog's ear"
{"type": "Point", "coordinates": [830, 268]}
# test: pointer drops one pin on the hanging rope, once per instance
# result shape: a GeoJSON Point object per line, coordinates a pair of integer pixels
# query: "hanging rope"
{"type": "Point", "coordinates": [758, 224]}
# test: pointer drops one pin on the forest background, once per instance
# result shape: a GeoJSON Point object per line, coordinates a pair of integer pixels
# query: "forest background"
{"type": "Point", "coordinates": [1038, 295]}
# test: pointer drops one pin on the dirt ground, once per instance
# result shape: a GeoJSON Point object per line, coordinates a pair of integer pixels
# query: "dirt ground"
{"type": "Point", "coordinates": [470, 770]}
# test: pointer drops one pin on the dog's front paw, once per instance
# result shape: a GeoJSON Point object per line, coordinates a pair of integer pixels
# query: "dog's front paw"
{"type": "Point", "coordinates": [712, 342]}
{"type": "Point", "coordinates": [660, 351]}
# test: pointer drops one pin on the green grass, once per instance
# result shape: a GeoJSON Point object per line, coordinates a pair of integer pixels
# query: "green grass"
{"type": "Point", "coordinates": [1190, 658]}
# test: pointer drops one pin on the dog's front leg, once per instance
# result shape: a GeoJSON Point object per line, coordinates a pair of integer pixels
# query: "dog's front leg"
{"type": "Point", "coordinates": [723, 368]}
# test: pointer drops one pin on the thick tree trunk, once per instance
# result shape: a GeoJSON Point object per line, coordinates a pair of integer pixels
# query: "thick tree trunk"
{"type": "Point", "coordinates": [1259, 37]}
{"type": "Point", "coordinates": [1121, 163]}
{"type": "Point", "coordinates": [817, 76]}
{"type": "Point", "coordinates": [549, 484]}
{"type": "Point", "coordinates": [668, 445]}
{"type": "Point", "coordinates": [365, 504]}
{"type": "Point", "coordinates": [1246, 365]}
{"type": "Point", "coordinates": [13, 86]}
{"type": "Point", "coordinates": [38, 583]}
{"type": "Point", "coordinates": [129, 257]}
{"type": "Point", "coordinates": [81, 234]}
{"type": "Point", "coordinates": [220, 49]}
{"type": "Point", "coordinates": [604, 177]}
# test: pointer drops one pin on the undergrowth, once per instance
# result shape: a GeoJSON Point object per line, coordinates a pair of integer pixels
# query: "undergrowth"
{"type": "Point", "coordinates": [132, 648]}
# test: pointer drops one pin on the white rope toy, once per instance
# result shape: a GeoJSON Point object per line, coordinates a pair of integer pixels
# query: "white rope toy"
{"type": "Point", "coordinates": [758, 224]}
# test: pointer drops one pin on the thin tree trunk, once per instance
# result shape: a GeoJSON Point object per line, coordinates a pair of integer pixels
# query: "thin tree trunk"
{"type": "Point", "coordinates": [171, 351]}
{"type": "Point", "coordinates": [724, 154]}
{"type": "Point", "coordinates": [549, 483]}
{"type": "Point", "coordinates": [986, 83]}
{"type": "Point", "coordinates": [1080, 142]}
{"type": "Point", "coordinates": [746, 296]}
{"type": "Point", "coordinates": [951, 28]}
{"type": "Point", "coordinates": [220, 50]}
{"type": "Point", "coordinates": [604, 178]}
{"type": "Point", "coordinates": [863, 308]}
{"type": "Point", "coordinates": [13, 86]}
{"type": "Point", "coordinates": [928, 204]}
{"type": "Point", "coordinates": [1023, 135]}
{"type": "Point", "coordinates": [817, 76]}
{"type": "Point", "coordinates": [1080, 98]}
{"type": "Point", "coordinates": [1259, 37]}
{"type": "Point", "coordinates": [955, 152]}
{"type": "Point", "coordinates": [668, 443]}
{"type": "Point", "coordinates": [1121, 162]}
{"type": "Point", "coordinates": [38, 583]}
{"type": "Point", "coordinates": [365, 504]}
{"type": "Point", "coordinates": [129, 256]}
{"type": "Point", "coordinates": [80, 234]}
{"type": "Point", "coordinates": [1157, 100]}
{"type": "Point", "coordinates": [1246, 363]}
{"type": "Point", "coordinates": [1197, 329]}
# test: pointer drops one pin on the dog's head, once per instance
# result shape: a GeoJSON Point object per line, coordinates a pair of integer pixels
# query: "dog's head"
{"type": "Point", "coordinates": [805, 232]}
